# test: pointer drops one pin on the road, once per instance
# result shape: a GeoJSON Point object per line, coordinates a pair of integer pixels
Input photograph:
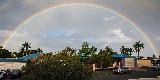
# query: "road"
{"type": "Point", "coordinates": [138, 75]}
{"type": "Point", "coordinates": [144, 75]}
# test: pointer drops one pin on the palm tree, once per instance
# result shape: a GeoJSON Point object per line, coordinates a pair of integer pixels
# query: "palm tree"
{"type": "Point", "coordinates": [124, 50]}
{"type": "Point", "coordinates": [25, 49]}
{"type": "Point", "coordinates": [39, 50]}
{"type": "Point", "coordinates": [26, 45]}
{"type": "Point", "coordinates": [22, 49]}
{"type": "Point", "coordinates": [130, 50]}
{"type": "Point", "coordinates": [138, 46]}
{"type": "Point", "coordinates": [21, 53]}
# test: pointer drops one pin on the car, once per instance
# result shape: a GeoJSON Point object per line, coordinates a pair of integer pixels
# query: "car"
{"type": "Point", "coordinates": [155, 67]}
{"type": "Point", "coordinates": [2, 75]}
{"type": "Point", "coordinates": [15, 73]}
{"type": "Point", "coordinates": [121, 70]}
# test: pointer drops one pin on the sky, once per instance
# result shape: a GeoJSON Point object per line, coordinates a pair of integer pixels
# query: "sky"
{"type": "Point", "coordinates": [72, 25]}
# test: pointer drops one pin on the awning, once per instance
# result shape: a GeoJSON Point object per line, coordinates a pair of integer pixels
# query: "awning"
{"type": "Point", "coordinates": [119, 56]}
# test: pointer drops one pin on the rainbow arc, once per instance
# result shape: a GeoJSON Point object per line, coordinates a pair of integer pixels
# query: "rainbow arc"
{"type": "Point", "coordinates": [146, 37]}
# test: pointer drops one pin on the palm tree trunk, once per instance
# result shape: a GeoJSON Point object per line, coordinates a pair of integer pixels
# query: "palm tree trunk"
{"type": "Point", "coordinates": [138, 55]}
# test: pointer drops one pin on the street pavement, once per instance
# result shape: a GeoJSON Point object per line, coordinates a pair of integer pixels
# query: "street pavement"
{"type": "Point", "coordinates": [138, 75]}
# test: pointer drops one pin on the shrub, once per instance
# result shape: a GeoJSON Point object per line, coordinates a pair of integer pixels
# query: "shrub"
{"type": "Point", "coordinates": [56, 67]}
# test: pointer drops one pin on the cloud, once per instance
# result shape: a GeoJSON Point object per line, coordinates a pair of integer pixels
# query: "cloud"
{"type": "Point", "coordinates": [115, 36]}
{"type": "Point", "coordinates": [109, 18]}
{"type": "Point", "coordinates": [119, 34]}
{"type": "Point", "coordinates": [158, 38]}
{"type": "Point", "coordinates": [4, 34]}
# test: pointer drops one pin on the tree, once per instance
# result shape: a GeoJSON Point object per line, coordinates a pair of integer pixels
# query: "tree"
{"type": "Point", "coordinates": [106, 57]}
{"type": "Point", "coordinates": [137, 47]}
{"type": "Point", "coordinates": [94, 58]}
{"type": "Point", "coordinates": [70, 51]}
{"type": "Point", "coordinates": [25, 48]}
{"type": "Point", "coordinates": [154, 56]}
{"type": "Point", "coordinates": [56, 67]}
{"type": "Point", "coordinates": [21, 50]}
{"type": "Point", "coordinates": [39, 51]}
{"type": "Point", "coordinates": [130, 50]}
{"type": "Point", "coordinates": [124, 50]}
{"type": "Point", "coordinates": [86, 51]}
{"type": "Point", "coordinates": [1, 47]}
{"type": "Point", "coordinates": [4, 53]}
{"type": "Point", "coordinates": [26, 45]}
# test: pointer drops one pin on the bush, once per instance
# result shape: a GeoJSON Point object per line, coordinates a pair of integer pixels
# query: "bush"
{"type": "Point", "coordinates": [56, 67]}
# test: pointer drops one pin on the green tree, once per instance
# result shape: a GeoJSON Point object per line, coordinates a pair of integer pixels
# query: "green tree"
{"type": "Point", "coordinates": [21, 50]}
{"type": "Point", "coordinates": [124, 50]}
{"type": "Point", "coordinates": [60, 66]}
{"type": "Point", "coordinates": [94, 58]}
{"type": "Point", "coordinates": [105, 57]}
{"type": "Point", "coordinates": [4, 53]}
{"type": "Point", "coordinates": [154, 56]}
{"type": "Point", "coordinates": [130, 50]}
{"type": "Point", "coordinates": [86, 51]}
{"type": "Point", "coordinates": [39, 50]}
{"type": "Point", "coordinates": [1, 47]}
{"type": "Point", "coordinates": [26, 46]}
{"type": "Point", "coordinates": [25, 49]}
{"type": "Point", "coordinates": [70, 51]}
{"type": "Point", "coordinates": [137, 47]}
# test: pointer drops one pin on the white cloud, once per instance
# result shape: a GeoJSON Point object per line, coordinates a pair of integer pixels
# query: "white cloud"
{"type": "Point", "coordinates": [158, 38]}
{"type": "Point", "coordinates": [115, 36]}
{"type": "Point", "coordinates": [109, 18]}
{"type": "Point", "coordinates": [121, 36]}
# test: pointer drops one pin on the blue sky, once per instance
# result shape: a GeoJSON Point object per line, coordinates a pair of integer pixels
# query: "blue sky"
{"type": "Point", "coordinates": [70, 26]}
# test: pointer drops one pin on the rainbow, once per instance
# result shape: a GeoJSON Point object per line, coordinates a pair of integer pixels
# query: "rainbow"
{"type": "Point", "coordinates": [146, 37]}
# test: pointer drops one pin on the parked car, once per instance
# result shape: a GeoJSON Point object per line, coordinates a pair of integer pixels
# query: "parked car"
{"type": "Point", "coordinates": [15, 73]}
{"type": "Point", "coordinates": [2, 75]}
{"type": "Point", "coordinates": [121, 70]}
{"type": "Point", "coordinates": [155, 67]}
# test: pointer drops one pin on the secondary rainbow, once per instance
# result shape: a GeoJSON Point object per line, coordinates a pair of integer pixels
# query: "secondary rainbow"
{"type": "Point", "coordinates": [83, 4]}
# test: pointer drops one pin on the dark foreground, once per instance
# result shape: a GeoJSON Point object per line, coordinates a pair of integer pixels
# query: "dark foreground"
{"type": "Point", "coordinates": [108, 75]}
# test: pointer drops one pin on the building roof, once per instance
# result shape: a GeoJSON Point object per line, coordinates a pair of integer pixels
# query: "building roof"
{"type": "Point", "coordinates": [119, 56]}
